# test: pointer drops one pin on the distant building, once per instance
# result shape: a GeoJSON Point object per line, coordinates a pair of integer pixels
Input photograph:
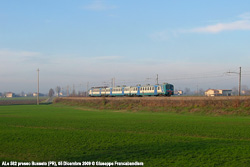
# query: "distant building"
{"type": "Point", "coordinates": [9, 94]}
{"type": "Point", "coordinates": [218, 92]}
{"type": "Point", "coordinates": [1, 95]}
{"type": "Point", "coordinates": [35, 94]}
{"type": "Point", "coordinates": [245, 92]}
{"type": "Point", "coordinates": [28, 95]}
{"type": "Point", "coordinates": [178, 92]}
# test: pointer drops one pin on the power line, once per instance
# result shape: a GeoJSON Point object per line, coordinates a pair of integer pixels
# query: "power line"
{"type": "Point", "coordinates": [239, 79]}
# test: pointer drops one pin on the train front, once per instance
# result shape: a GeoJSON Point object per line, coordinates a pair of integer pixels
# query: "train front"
{"type": "Point", "coordinates": [168, 89]}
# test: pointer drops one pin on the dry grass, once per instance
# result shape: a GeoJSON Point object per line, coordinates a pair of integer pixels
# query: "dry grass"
{"type": "Point", "coordinates": [217, 105]}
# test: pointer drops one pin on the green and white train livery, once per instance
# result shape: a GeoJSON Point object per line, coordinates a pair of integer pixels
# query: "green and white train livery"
{"type": "Point", "coordinates": [148, 90]}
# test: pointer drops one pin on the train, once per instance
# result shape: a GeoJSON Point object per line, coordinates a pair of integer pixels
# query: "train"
{"type": "Point", "coordinates": [164, 89]}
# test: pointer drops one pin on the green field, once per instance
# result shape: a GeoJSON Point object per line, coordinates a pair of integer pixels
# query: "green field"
{"type": "Point", "coordinates": [64, 133]}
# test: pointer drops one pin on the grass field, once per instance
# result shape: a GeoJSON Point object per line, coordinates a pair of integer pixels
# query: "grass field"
{"type": "Point", "coordinates": [64, 133]}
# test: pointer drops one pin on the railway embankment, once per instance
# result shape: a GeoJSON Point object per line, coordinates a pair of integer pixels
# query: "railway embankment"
{"type": "Point", "coordinates": [208, 105]}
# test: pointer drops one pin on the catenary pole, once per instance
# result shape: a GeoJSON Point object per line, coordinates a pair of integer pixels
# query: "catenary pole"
{"type": "Point", "coordinates": [240, 81]}
{"type": "Point", "coordinates": [157, 79]}
{"type": "Point", "coordinates": [38, 86]}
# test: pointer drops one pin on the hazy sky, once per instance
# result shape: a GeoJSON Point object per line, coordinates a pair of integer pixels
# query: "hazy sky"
{"type": "Point", "coordinates": [188, 43]}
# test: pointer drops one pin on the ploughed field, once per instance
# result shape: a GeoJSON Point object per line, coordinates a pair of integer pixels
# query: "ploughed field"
{"type": "Point", "coordinates": [78, 133]}
{"type": "Point", "coordinates": [21, 100]}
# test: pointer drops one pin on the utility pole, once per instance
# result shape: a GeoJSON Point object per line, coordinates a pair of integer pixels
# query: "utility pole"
{"type": "Point", "coordinates": [38, 86]}
{"type": "Point", "coordinates": [157, 79]}
{"type": "Point", "coordinates": [239, 79]}
{"type": "Point", "coordinates": [113, 82]}
{"type": "Point", "coordinates": [87, 92]}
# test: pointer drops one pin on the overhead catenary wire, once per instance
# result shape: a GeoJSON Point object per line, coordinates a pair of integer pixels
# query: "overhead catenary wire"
{"type": "Point", "coordinates": [217, 76]}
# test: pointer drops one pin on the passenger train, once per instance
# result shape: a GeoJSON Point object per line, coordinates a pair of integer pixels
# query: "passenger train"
{"type": "Point", "coordinates": [148, 90]}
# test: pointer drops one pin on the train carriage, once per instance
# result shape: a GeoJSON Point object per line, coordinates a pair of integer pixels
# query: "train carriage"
{"type": "Point", "coordinates": [147, 90]}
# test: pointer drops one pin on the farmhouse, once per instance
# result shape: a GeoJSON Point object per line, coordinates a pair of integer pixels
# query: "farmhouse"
{"type": "Point", "coordinates": [9, 94]}
{"type": "Point", "coordinates": [218, 92]}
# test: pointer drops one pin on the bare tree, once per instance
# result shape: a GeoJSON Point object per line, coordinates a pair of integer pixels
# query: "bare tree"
{"type": "Point", "coordinates": [235, 91]}
{"type": "Point", "coordinates": [73, 92]}
{"type": "Point", "coordinates": [51, 92]}
{"type": "Point", "coordinates": [58, 90]}
{"type": "Point", "coordinates": [201, 92]}
{"type": "Point", "coordinates": [22, 93]}
{"type": "Point", "coordinates": [187, 91]}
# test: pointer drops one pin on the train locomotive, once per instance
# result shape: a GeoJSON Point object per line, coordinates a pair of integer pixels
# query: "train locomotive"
{"type": "Point", "coordinates": [164, 89]}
